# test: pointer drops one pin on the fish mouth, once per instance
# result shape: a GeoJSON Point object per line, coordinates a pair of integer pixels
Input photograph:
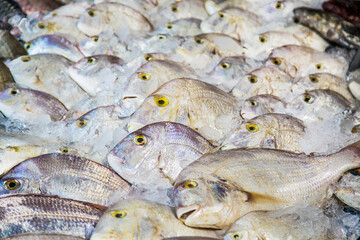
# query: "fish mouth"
{"type": "Point", "coordinates": [126, 97]}
{"type": "Point", "coordinates": [184, 213]}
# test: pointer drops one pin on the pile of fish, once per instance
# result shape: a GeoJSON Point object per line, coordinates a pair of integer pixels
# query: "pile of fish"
{"type": "Point", "coordinates": [179, 119]}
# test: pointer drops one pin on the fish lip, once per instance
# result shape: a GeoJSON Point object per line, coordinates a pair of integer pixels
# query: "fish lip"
{"type": "Point", "coordinates": [184, 212]}
{"type": "Point", "coordinates": [126, 97]}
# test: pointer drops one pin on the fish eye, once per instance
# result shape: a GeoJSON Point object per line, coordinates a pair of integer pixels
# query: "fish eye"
{"type": "Point", "coordinates": [253, 103]}
{"type": "Point", "coordinates": [41, 25]}
{"type": "Point", "coordinates": [253, 79]}
{"type": "Point", "coordinates": [64, 150]}
{"type": "Point", "coordinates": [262, 39]}
{"type": "Point", "coordinates": [12, 184]}
{"type": "Point", "coordinates": [140, 140]}
{"type": "Point", "coordinates": [221, 14]}
{"type": "Point", "coordinates": [318, 66]}
{"type": "Point", "coordinates": [252, 127]}
{"type": "Point", "coordinates": [90, 60]}
{"type": "Point", "coordinates": [278, 5]}
{"type": "Point", "coordinates": [14, 91]}
{"type": "Point", "coordinates": [25, 59]}
{"type": "Point", "coordinates": [236, 236]}
{"type": "Point", "coordinates": [225, 65]}
{"type": "Point", "coordinates": [190, 184]}
{"type": "Point", "coordinates": [119, 214]}
{"type": "Point", "coordinates": [81, 123]}
{"type": "Point", "coordinates": [91, 13]}
{"type": "Point", "coordinates": [27, 46]}
{"type": "Point", "coordinates": [162, 37]}
{"type": "Point", "coordinates": [199, 40]}
{"type": "Point", "coordinates": [314, 79]}
{"type": "Point", "coordinates": [144, 76]}
{"type": "Point", "coordinates": [174, 8]}
{"type": "Point", "coordinates": [276, 61]}
{"type": "Point", "coordinates": [169, 26]}
{"type": "Point", "coordinates": [161, 101]}
{"type": "Point", "coordinates": [95, 38]}
{"type": "Point", "coordinates": [54, 14]}
{"type": "Point", "coordinates": [308, 99]}
{"type": "Point", "coordinates": [148, 57]}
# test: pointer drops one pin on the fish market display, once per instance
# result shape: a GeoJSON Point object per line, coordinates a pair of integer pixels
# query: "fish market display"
{"type": "Point", "coordinates": [180, 119]}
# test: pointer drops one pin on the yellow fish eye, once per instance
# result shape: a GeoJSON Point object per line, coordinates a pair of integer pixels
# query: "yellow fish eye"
{"type": "Point", "coordinates": [225, 65]}
{"type": "Point", "coordinates": [41, 25]}
{"type": "Point", "coordinates": [27, 46]}
{"type": "Point", "coordinates": [308, 99]}
{"type": "Point", "coordinates": [278, 5]}
{"type": "Point", "coordinates": [54, 14]}
{"type": "Point", "coordinates": [91, 13]}
{"type": "Point", "coordinates": [13, 91]}
{"type": "Point", "coordinates": [169, 26]}
{"type": "Point", "coordinates": [90, 60]}
{"type": "Point", "coordinates": [276, 61]}
{"type": "Point", "coordinates": [144, 76]}
{"type": "Point", "coordinates": [318, 66]}
{"type": "Point", "coordinates": [262, 39]}
{"type": "Point", "coordinates": [81, 123]}
{"type": "Point", "coordinates": [190, 184]}
{"type": "Point", "coordinates": [253, 79]}
{"type": "Point", "coordinates": [199, 40]}
{"type": "Point", "coordinates": [25, 59]}
{"type": "Point", "coordinates": [236, 236]}
{"type": "Point", "coordinates": [64, 150]}
{"type": "Point", "coordinates": [174, 8]}
{"type": "Point", "coordinates": [221, 14]}
{"type": "Point", "coordinates": [148, 57]}
{"type": "Point", "coordinates": [161, 101]}
{"type": "Point", "coordinates": [12, 184]}
{"type": "Point", "coordinates": [252, 127]}
{"type": "Point", "coordinates": [140, 140]}
{"type": "Point", "coordinates": [162, 37]}
{"type": "Point", "coordinates": [119, 214]}
{"type": "Point", "coordinates": [95, 38]}
{"type": "Point", "coordinates": [253, 103]}
{"type": "Point", "coordinates": [314, 79]}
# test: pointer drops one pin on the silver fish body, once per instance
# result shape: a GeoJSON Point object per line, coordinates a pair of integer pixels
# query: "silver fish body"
{"type": "Point", "coordinates": [42, 237]}
{"type": "Point", "coordinates": [347, 189]}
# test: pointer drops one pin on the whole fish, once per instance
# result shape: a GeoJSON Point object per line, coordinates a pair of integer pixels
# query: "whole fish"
{"type": "Point", "coordinates": [297, 223]}
{"type": "Point", "coordinates": [98, 73]}
{"type": "Point", "coordinates": [347, 189]}
{"type": "Point", "coordinates": [221, 187]}
{"type": "Point", "coordinates": [66, 176]}
{"type": "Point", "coordinates": [149, 77]}
{"type": "Point", "coordinates": [11, 12]}
{"type": "Point", "coordinates": [42, 237]}
{"type": "Point", "coordinates": [262, 104]}
{"type": "Point", "coordinates": [26, 104]}
{"type": "Point", "coordinates": [194, 103]}
{"type": "Point", "coordinates": [39, 72]}
{"type": "Point", "coordinates": [156, 153]}
{"type": "Point", "coordinates": [54, 44]}
{"type": "Point", "coordinates": [10, 47]}
{"type": "Point", "coordinates": [25, 214]}
{"type": "Point", "coordinates": [6, 78]}
{"type": "Point", "coordinates": [277, 131]}
{"type": "Point", "coordinates": [113, 17]}
{"type": "Point", "coordinates": [227, 73]}
{"type": "Point", "coordinates": [299, 61]}
{"type": "Point", "coordinates": [182, 27]}
{"type": "Point", "coordinates": [265, 80]}
{"type": "Point", "coordinates": [142, 219]}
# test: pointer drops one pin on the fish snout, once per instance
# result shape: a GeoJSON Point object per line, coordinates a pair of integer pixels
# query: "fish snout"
{"type": "Point", "coordinates": [183, 212]}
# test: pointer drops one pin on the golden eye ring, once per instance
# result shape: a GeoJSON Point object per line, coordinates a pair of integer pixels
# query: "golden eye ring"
{"type": "Point", "coordinates": [25, 58]}
{"type": "Point", "coordinates": [236, 236]}
{"type": "Point", "coordinates": [162, 37]}
{"type": "Point", "coordinates": [64, 150]}
{"type": "Point", "coordinates": [276, 61]}
{"type": "Point", "coordinates": [14, 91]}
{"type": "Point", "coordinates": [252, 127]}
{"type": "Point", "coordinates": [95, 38]}
{"type": "Point", "coordinates": [27, 46]}
{"type": "Point", "coordinates": [161, 101]}
{"type": "Point", "coordinates": [199, 40]}
{"type": "Point", "coordinates": [140, 140]}
{"type": "Point", "coordinates": [225, 65]}
{"type": "Point", "coordinates": [174, 8]}
{"type": "Point", "coordinates": [41, 25]}
{"type": "Point", "coordinates": [81, 123]}
{"type": "Point", "coordinates": [148, 57]}
{"type": "Point", "coordinates": [262, 39]}
{"type": "Point", "coordinates": [12, 184]}
{"type": "Point", "coordinates": [91, 13]}
{"type": "Point", "coordinates": [144, 76]}
{"type": "Point", "coordinates": [318, 66]}
{"type": "Point", "coordinates": [190, 184]}
{"type": "Point", "coordinates": [90, 60]}
{"type": "Point", "coordinates": [119, 214]}
{"type": "Point", "coordinates": [253, 103]}
{"type": "Point", "coordinates": [314, 79]}
{"type": "Point", "coordinates": [278, 5]}
{"type": "Point", "coordinates": [221, 14]}
{"type": "Point", "coordinates": [169, 26]}
{"type": "Point", "coordinates": [252, 79]}
{"type": "Point", "coordinates": [308, 98]}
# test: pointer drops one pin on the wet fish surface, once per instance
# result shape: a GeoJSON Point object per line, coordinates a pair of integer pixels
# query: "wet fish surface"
{"type": "Point", "coordinates": [43, 237]}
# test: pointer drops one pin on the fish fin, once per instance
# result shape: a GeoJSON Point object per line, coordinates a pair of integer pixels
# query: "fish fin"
{"type": "Point", "coordinates": [352, 151]}
{"type": "Point", "coordinates": [215, 149]}
{"type": "Point", "coordinates": [355, 62]}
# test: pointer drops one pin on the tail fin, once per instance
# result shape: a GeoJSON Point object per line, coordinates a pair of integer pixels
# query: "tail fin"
{"type": "Point", "coordinates": [350, 154]}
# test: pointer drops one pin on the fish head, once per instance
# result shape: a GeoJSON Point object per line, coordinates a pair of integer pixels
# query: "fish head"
{"type": "Point", "coordinates": [24, 67]}
{"type": "Point", "coordinates": [92, 21]}
{"type": "Point", "coordinates": [246, 234]}
{"type": "Point", "coordinates": [11, 97]}
{"type": "Point", "coordinates": [216, 22]}
{"type": "Point", "coordinates": [278, 10]}
{"type": "Point", "coordinates": [194, 46]}
{"type": "Point", "coordinates": [182, 9]}
{"type": "Point", "coordinates": [160, 42]}
{"type": "Point", "coordinates": [261, 104]}
{"type": "Point", "coordinates": [104, 43]}
{"type": "Point", "coordinates": [182, 27]}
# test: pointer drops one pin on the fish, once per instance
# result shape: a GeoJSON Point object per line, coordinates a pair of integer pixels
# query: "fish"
{"type": "Point", "coordinates": [347, 189]}
{"type": "Point", "coordinates": [113, 17]}
{"type": "Point", "coordinates": [149, 77]}
{"type": "Point", "coordinates": [235, 22]}
{"type": "Point", "coordinates": [98, 73]}
{"type": "Point", "coordinates": [299, 61]}
{"type": "Point", "coordinates": [139, 5]}
{"type": "Point", "coordinates": [315, 105]}
{"type": "Point", "coordinates": [26, 104]}
{"type": "Point", "coordinates": [262, 104]}
{"type": "Point", "coordinates": [196, 104]}
{"type": "Point", "coordinates": [54, 44]}
{"type": "Point", "coordinates": [6, 78]}
{"type": "Point", "coordinates": [182, 27]}
{"type": "Point", "coordinates": [66, 176]}
{"type": "Point", "coordinates": [43, 237]}
{"type": "Point", "coordinates": [190, 238]}
{"type": "Point", "coordinates": [25, 214]}
{"type": "Point", "coordinates": [159, 42]}
{"type": "Point", "coordinates": [322, 81]}
{"type": "Point", "coordinates": [226, 74]}
{"type": "Point", "coordinates": [10, 47]}
{"type": "Point", "coordinates": [220, 187]}
{"type": "Point", "coordinates": [213, 6]}
{"type": "Point", "coordinates": [11, 13]}
{"type": "Point", "coordinates": [32, 7]}
{"type": "Point", "coordinates": [39, 72]}
{"type": "Point", "coordinates": [272, 130]}
{"type": "Point", "coordinates": [265, 80]}
{"type": "Point", "coordinates": [299, 222]}
{"type": "Point", "coordinates": [142, 219]}
{"type": "Point", "coordinates": [156, 153]}
{"type": "Point", "coordinates": [73, 9]}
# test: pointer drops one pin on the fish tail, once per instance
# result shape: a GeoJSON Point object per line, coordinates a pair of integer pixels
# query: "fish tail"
{"type": "Point", "coordinates": [350, 154]}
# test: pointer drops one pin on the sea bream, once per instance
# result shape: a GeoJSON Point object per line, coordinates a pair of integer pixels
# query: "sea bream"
{"type": "Point", "coordinates": [220, 187]}
{"type": "Point", "coordinates": [262, 104]}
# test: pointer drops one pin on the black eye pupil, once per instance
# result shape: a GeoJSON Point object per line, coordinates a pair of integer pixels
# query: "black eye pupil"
{"type": "Point", "coordinates": [161, 102]}
{"type": "Point", "coordinates": [13, 92]}
{"type": "Point", "coordinates": [252, 80]}
{"type": "Point", "coordinates": [118, 215]}
{"type": "Point", "coordinates": [251, 128]}
{"type": "Point", "coordinates": [140, 140]}
{"type": "Point", "coordinates": [307, 99]}
{"type": "Point", "coordinates": [236, 236]}
{"type": "Point", "coordinates": [12, 185]}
